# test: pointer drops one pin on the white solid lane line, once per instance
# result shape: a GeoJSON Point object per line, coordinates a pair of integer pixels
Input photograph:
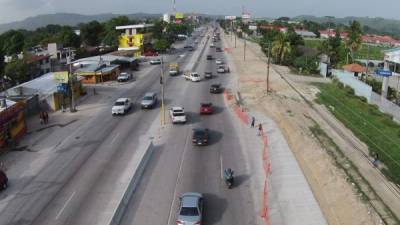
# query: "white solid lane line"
{"type": "Point", "coordinates": [65, 205]}
{"type": "Point", "coordinates": [222, 166]}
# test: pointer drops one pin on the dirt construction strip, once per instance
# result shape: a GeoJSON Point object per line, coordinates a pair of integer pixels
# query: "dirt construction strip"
{"type": "Point", "coordinates": [337, 195]}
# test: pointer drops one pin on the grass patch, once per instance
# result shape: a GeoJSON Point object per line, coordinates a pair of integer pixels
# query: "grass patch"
{"type": "Point", "coordinates": [374, 128]}
{"type": "Point", "coordinates": [353, 176]}
{"type": "Point", "coordinates": [366, 51]}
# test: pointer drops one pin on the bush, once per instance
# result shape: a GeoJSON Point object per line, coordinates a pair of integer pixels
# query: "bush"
{"type": "Point", "coordinates": [349, 90]}
{"type": "Point", "coordinates": [306, 65]}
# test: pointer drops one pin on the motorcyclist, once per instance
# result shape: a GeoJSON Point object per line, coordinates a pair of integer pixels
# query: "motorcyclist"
{"type": "Point", "coordinates": [228, 175]}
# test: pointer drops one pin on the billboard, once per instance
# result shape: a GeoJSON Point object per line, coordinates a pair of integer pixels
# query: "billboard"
{"type": "Point", "coordinates": [246, 16]}
{"type": "Point", "coordinates": [179, 15]}
{"type": "Point", "coordinates": [252, 27]}
{"type": "Point", "coordinates": [61, 77]}
{"type": "Point", "coordinates": [230, 17]}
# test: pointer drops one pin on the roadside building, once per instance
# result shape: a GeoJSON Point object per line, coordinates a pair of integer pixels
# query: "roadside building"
{"type": "Point", "coordinates": [392, 60]}
{"type": "Point", "coordinates": [97, 73]}
{"type": "Point", "coordinates": [116, 58]}
{"type": "Point", "coordinates": [38, 64]}
{"type": "Point", "coordinates": [305, 33]}
{"type": "Point", "coordinates": [44, 92]}
{"type": "Point", "coordinates": [355, 69]}
{"type": "Point", "coordinates": [12, 122]}
{"type": "Point", "coordinates": [136, 38]}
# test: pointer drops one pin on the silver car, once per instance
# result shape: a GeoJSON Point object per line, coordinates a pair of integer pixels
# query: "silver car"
{"type": "Point", "coordinates": [149, 100]}
{"type": "Point", "coordinates": [190, 209]}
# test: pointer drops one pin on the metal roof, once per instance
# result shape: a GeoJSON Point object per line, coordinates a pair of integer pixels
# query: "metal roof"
{"type": "Point", "coordinates": [136, 26]}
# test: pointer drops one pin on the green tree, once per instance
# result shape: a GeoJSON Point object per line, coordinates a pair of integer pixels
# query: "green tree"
{"type": "Point", "coordinates": [334, 48]}
{"type": "Point", "coordinates": [161, 45]}
{"type": "Point", "coordinates": [68, 37]}
{"type": "Point", "coordinates": [1, 63]}
{"type": "Point", "coordinates": [13, 42]}
{"type": "Point", "coordinates": [159, 28]}
{"type": "Point", "coordinates": [111, 35]}
{"type": "Point", "coordinates": [17, 70]}
{"type": "Point", "coordinates": [91, 33]}
{"type": "Point", "coordinates": [354, 40]}
{"type": "Point", "coordinates": [281, 48]}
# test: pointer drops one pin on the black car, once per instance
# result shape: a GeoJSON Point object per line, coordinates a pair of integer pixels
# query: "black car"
{"type": "Point", "coordinates": [216, 89]}
{"type": "Point", "coordinates": [209, 57]}
{"type": "Point", "coordinates": [218, 49]}
{"type": "Point", "coordinates": [200, 136]}
{"type": "Point", "coordinates": [208, 75]}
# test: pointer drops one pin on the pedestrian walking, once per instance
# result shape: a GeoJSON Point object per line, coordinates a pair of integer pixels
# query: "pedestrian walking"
{"type": "Point", "coordinates": [260, 130]}
{"type": "Point", "coordinates": [41, 117]}
{"type": "Point", "coordinates": [46, 117]}
{"type": "Point", "coordinates": [253, 121]}
{"type": "Point", "coordinates": [375, 162]}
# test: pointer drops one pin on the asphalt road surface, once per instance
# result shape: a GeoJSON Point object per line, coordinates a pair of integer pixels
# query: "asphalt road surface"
{"type": "Point", "coordinates": [179, 167]}
{"type": "Point", "coordinates": [87, 160]}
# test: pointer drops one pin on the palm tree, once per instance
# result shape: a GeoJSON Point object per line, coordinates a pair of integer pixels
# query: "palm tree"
{"type": "Point", "coordinates": [354, 40]}
{"type": "Point", "coordinates": [281, 48]}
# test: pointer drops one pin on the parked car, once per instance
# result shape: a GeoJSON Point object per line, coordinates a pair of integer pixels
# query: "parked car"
{"type": "Point", "coordinates": [149, 100]}
{"type": "Point", "coordinates": [212, 45]}
{"type": "Point", "coordinates": [218, 49]}
{"type": "Point", "coordinates": [155, 61]}
{"type": "Point", "coordinates": [190, 209]}
{"type": "Point", "coordinates": [3, 180]}
{"type": "Point", "coordinates": [121, 106]}
{"type": "Point", "coordinates": [216, 89]}
{"type": "Point", "coordinates": [200, 136]}
{"type": "Point", "coordinates": [222, 69]}
{"type": "Point", "coordinates": [177, 115]}
{"type": "Point", "coordinates": [150, 53]}
{"type": "Point", "coordinates": [208, 75]}
{"type": "Point", "coordinates": [209, 57]}
{"type": "Point", "coordinates": [124, 77]}
{"type": "Point", "coordinates": [206, 108]}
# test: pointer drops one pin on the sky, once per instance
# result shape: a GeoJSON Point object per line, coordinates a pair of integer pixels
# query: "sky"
{"type": "Point", "coordinates": [13, 10]}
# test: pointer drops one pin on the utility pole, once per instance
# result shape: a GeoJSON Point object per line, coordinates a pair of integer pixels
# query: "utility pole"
{"type": "Point", "coordinates": [268, 64]}
{"type": "Point", "coordinates": [235, 40]}
{"type": "Point", "coordinates": [71, 81]}
{"type": "Point", "coordinates": [244, 47]}
{"type": "Point", "coordinates": [162, 93]}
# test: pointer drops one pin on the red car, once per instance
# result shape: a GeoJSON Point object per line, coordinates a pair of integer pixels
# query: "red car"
{"type": "Point", "coordinates": [150, 53]}
{"type": "Point", "coordinates": [206, 108]}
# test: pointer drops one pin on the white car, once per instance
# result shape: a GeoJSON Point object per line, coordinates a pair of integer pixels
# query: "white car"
{"type": "Point", "coordinates": [155, 61]}
{"type": "Point", "coordinates": [195, 77]}
{"type": "Point", "coordinates": [121, 106]}
{"type": "Point", "coordinates": [124, 77]}
{"type": "Point", "coordinates": [218, 61]}
{"type": "Point", "coordinates": [177, 115]}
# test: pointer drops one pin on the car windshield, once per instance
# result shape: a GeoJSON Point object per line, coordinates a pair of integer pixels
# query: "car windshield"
{"type": "Point", "coordinates": [206, 105]}
{"type": "Point", "coordinates": [189, 211]}
{"type": "Point", "coordinates": [195, 75]}
{"type": "Point", "coordinates": [199, 133]}
{"type": "Point", "coordinates": [179, 113]}
{"type": "Point", "coordinates": [147, 98]}
{"type": "Point", "coordinates": [119, 103]}
{"type": "Point", "coordinates": [215, 85]}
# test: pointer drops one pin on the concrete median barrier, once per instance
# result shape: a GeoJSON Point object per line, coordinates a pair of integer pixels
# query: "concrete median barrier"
{"type": "Point", "coordinates": [141, 159]}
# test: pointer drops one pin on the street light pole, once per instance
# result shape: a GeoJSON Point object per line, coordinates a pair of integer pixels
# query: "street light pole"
{"type": "Point", "coordinates": [268, 64]}
{"type": "Point", "coordinates": [71, 82]}
{"type": "Point", "coordinates": [162, 93]}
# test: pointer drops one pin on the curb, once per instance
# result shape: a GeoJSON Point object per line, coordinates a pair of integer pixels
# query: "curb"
{"type": "Point", "coordinates": [119, 212]}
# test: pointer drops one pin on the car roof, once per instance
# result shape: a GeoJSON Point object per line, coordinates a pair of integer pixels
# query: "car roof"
{"type": "Point", "coordinates": [215, 85]}
{"type": "Point", "coordinates": [190, 199]}
{"type": "Point", "coordinates": [122, 99]}
{"type": "Point", "coordinates": [206, 103]}
{"type": "Point", "coordinates": [149, 94]}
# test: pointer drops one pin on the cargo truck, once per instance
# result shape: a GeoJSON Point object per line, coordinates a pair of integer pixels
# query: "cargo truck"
{"type": "Point", "coordinates": [173, 69]}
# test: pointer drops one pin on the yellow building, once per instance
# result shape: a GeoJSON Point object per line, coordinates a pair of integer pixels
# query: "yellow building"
{"type": "Point", "coordinates": [134, 38]}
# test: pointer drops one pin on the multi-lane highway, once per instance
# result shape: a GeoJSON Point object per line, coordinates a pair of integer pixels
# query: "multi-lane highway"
{"type": "Point", "coordinates": [180, 167]}
{"type": "Point", "coordinates": [88, 161]}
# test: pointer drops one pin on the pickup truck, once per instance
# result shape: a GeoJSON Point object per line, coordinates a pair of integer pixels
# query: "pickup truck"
{"type": "Point", "coordinates": [192, 76]}
{"type": "Point", "coordinates": [173, 69]}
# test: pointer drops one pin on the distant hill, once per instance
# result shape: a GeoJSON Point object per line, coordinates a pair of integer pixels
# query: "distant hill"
{"type": "Point", "coordinates": [71, 19]}
{"type": "Point", "coordinates": [380, 25]}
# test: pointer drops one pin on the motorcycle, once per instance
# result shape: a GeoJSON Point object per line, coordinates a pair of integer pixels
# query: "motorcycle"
{"type": "Point", "coordinates": [228, 177]}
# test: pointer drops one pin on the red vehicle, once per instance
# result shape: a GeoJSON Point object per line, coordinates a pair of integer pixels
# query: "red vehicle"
{"type": "Point", "coordinates": [3, 180]}
{"type": "Point", "coordinates": [206, 108]}
{"type": "Point", "coordinates": [150, 53]}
